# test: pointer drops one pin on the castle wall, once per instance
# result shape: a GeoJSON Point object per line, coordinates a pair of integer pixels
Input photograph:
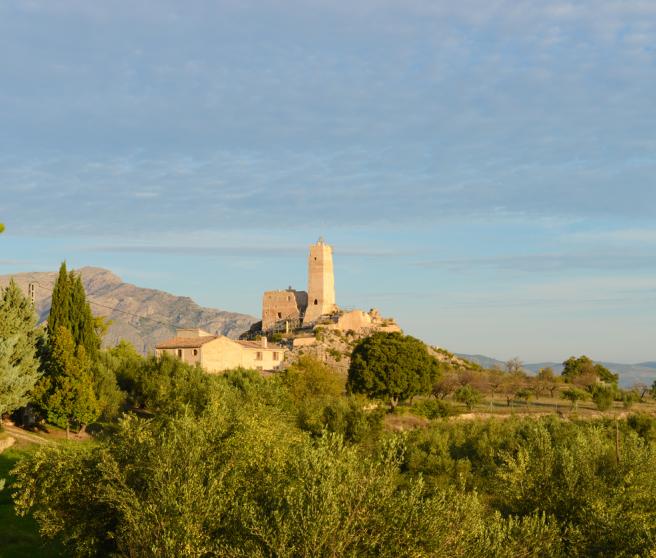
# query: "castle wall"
{"type": "Point", "coordinates": [282, 305]}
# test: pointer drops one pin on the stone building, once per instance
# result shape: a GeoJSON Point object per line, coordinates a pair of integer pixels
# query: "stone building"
{"type": "Point", "coordinates": [216, 353]}
{"type": "Point", "coordinates": [289, 309]}
{"type": "Point", "coordinates": [283, 306]}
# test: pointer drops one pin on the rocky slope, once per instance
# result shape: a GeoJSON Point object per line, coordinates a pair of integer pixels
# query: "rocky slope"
{"type": "Point", "coordinates": [142, 316]}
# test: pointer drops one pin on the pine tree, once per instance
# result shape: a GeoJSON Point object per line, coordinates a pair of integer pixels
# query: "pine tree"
{"type": "Point", "coordinates": [18, 336]}
{"type": "Point", "coordinates": [66, 392]}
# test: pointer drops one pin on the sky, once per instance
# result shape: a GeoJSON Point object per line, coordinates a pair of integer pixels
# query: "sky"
{"type": "Point", "coordinates": [485, 169]}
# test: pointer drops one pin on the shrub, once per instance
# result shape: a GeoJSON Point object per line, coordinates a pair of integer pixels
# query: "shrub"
{"type": "Point", "coordinates": [434, 409]}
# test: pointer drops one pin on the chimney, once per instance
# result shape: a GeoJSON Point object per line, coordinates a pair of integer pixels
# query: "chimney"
{"type": "Point", "coordinates": [265, 342]}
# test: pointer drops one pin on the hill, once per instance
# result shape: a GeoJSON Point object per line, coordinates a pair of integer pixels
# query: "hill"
{"type": "Point", "coordinates": [142, 316]}
{"type": "Point", "coordinates": [644, 372]}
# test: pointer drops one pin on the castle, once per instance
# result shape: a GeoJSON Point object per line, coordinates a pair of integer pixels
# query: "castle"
{"type": "Point", "coordinates": [290, 308]}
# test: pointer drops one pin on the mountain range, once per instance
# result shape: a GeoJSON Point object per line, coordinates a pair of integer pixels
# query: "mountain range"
{"type": "Point", "coordinates": [144, 317]}
{"type": "Point", "coordinates": [642, 372]}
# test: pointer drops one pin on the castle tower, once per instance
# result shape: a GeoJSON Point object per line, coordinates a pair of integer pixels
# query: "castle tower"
{"type": "Point", "coordinates": [321, 282]}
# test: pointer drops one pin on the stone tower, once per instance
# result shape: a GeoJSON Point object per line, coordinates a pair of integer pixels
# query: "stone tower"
{"type": "Point", "coordinates": [321, 282]}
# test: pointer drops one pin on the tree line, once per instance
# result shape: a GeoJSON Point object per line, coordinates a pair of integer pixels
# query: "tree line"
{"type": "Point", "coordinates": [301, 464]}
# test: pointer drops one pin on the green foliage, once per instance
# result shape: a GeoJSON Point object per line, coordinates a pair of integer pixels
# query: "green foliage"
{"type": "Point", "coordinates": [310, 378]}
{"type": "Point", "coordinates": [644, 425]}
{"type": "Point", "coordinates": [2, 228]}
{"type": "Point", "coordinates": [604, 500]}
{"type": "Point", "coordinates": [167, 385]}
{"type": "Point", "coordinates": [468, 395]}
{"type": "Point", "coordinates": [110, 397]}
{"type": "Point", "coordinates": [391, 366]}
{"type": "Point", "coordinates": [434, 409]}
{"type": "Point", "coordinates": [584, 366]}
{"type": "Point", "coordinates": [603, 397]}
{"type": "Point", "coordinates": [574, 395]}
{"type": "Point", "coordinates": [628, 398]}
{"type": "Point", "coordinates": [18, 336]}
{"type": "Point", "coordinates": [66, 390]}
{"type": "Point", "coordinates": [19, 536]}
{"type": "Point", "coordinates": [71, 310]}
{"type": "Point", "coordinates": [238, 480]}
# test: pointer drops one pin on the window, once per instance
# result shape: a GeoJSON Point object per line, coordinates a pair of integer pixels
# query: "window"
{"type": "Point", "coordinates": [258, 355]}
{"type": "Point", "coordinates": [316, 302]}
{"type": "Point", "coordinates": [279, 315]}
{"type": "Point", "coordinates": [195, 352]}
{"type": "Point", "coordinates": [276, 356]}
{"type": "Point", "coordinates": [179, 353]}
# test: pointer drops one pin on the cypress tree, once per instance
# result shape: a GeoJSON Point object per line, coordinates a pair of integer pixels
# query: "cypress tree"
{"type": "Point", "coordinates": [66, 391]}
{"type": "Point", "coordinates": [61, 301]}
{"type": "Point", "coordinates": [18, 337]}
{"type": "Point", "coordinates": [71, 311]}
{"type": "Point", "coordinates": [81, 318]}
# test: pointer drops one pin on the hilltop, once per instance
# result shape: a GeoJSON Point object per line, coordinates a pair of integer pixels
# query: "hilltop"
{"type": "Point", "coordinates": [139, 315]}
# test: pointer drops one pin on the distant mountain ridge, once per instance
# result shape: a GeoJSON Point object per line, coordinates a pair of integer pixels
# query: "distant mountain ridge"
{"type": "Point", "coordinates": [142, 316]}
{"type": "Point", "coordinates": [644, 372]}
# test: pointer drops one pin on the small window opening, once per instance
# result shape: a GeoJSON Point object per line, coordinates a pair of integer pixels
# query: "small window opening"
{"type": "Point", "coordinates": [275, 356]}
{"type": "Point", "coordinates": [195, 352]}
{"type": "Point", "coordinates": [179, 353]}
{"type": "Point", "coordinates": [279, 315]}
{"type": "Point", "coordinates": [316, 302]}
{"type": "Point", "coordinates": [258, 355]}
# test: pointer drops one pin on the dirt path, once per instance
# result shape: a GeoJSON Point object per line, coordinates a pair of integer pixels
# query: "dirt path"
{"type": "Point", "coordinates": [21, 434]}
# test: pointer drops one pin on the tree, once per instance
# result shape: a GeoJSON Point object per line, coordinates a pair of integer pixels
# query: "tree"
{"type": "Point", "coordinates": [514, 366]}
{"type": "Point", "coordinates": [583, 366]}
{"type": "Point", "coordinates": [468, 395]}
{"type": "Point", "coordinates": [603, 396]}
{"type": "Point", "coordinates": [574, 395]}
{"type": "Point", "coordinates": [445, 385]}
{"type": "Point", "coordinates": [309, 378]}
{"type": "Point", "coordinates": [391, 366]}
{"type": "Point", "coordinates": [18, 363]}
{"type": "Point", "coordinates": [66, 391]}
{"type": "Point", "coordinates": [70, 309]}
{"type": "Point", "coordinates": [548, 379]}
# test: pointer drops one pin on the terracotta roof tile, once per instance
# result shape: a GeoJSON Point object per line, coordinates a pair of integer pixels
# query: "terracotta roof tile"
{"type": "Point", "coordinates": [186, 342]}
{"type": "Point", "coordinates": [258, 345]}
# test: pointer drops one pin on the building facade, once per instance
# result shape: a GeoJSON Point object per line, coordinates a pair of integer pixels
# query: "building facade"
{"type": "Point", "coordinates": [217, 353]}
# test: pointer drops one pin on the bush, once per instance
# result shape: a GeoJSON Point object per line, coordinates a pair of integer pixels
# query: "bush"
{"type": "Point", "coordinates": [468, 395]}
{"type": "Point", "coordinates": [603, 397]}
{"type": "Point", "coordinates": [434, 409]}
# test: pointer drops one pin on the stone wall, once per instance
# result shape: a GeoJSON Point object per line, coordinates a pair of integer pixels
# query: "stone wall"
{"type": "Point", "coordinates": [282, 305]}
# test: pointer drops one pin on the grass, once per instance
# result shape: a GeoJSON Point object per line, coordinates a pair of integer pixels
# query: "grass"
{"type": "Point", "coordinates": [19, 536]}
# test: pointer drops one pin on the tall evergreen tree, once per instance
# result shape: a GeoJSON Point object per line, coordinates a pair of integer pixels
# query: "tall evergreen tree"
{"type": "Point", "coordinates": [61, 302]}
{"type": "Point", "coordinates": [71, 310]}
{"type": "Point", "coordinates": [18, 336]}
{"type": "Point", "coordinates": [66, 391]}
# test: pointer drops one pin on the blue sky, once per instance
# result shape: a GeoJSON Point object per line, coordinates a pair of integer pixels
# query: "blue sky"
{"type": "Point", "coordinates": [486, 170]}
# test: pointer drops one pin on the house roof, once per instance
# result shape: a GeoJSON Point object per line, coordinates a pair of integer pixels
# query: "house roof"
{"type": "Point", "coordinates": [186, 342]}
{"type": "Point", "coordinates": [257, 345]}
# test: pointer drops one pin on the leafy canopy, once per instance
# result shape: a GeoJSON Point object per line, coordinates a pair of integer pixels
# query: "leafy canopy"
{"type": "Point", "coordinates": [391, 366]}
{"type": "Point", "coordinates": [18, 337]}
